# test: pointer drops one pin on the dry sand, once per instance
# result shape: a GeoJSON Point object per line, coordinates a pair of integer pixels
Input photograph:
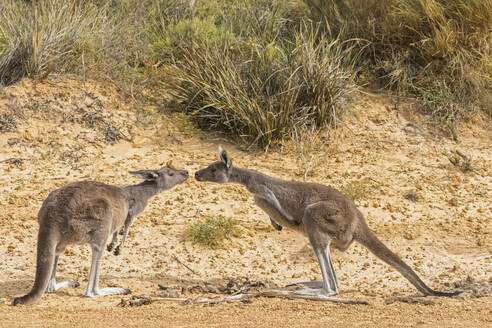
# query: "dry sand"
{"type": "Point", "coordinates": [66, 131]}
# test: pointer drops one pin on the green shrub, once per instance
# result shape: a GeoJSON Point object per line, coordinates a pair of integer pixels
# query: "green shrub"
{"type": "Point", "coordinates": [46, 35]}
{"type": "Point", "coordinates": [357, 190]}
{"type": "Point", "coordinates": [412, 195]}
{"type": "Point", "coordinates": [259, 91]}
{"type": "Point", "coordinates": [435, 50]}
{"type": "Point", "coordinates": [212, 231]}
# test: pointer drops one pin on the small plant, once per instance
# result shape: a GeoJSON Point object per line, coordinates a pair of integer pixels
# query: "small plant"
{"type": "Point", "coordinates": [461, 161]}
{"type": "Point", "coordinates": [184, 124]}
{"type": "Point", "coordinates": [356, 190]}
{"type": "Point", "coordinates": [212, 230]}
{"type": "Point", "coordinates": [8, 122]}
{"type": "Point", "coordinates": [412, 195]}
{"type": "Point", "coordinates": [72, 156]}
{"type": "Point", "coordinates": [306, 144]}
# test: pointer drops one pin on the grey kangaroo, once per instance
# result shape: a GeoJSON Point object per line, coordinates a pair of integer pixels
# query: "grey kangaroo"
{"type": "Point", "coordinates": [322, 213]}
{"type": "Point", "coordinates": [88, 212]}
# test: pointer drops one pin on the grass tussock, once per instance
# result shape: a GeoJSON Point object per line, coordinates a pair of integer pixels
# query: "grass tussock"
{"type": "Point", "coordinates": [212, 231]}
{"type": "Point", "coordinates": [357, 190]}
{"type": "Point", "coordinates": [437, 51]}
{"type": "Point", "coordinates": [261, 91]}
{"type": "Point", "coordinates": [46, 35]}
{"type": "Point", "coordinates": [259, 70]}
{"type": "Point", "coordinates": [412, 195]}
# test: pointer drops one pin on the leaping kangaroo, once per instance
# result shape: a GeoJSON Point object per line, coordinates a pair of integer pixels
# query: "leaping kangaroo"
{"type": "Point", "coordinates": [88, 212]}
{"type": "Point", "coordinates": [323, 214]}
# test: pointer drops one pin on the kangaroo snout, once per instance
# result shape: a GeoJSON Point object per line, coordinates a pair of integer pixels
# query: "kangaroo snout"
{"type": "Point", "coordinates": [198, 175]}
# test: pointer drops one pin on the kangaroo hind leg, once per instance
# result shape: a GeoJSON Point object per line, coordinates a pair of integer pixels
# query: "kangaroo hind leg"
{"type": "Point", "coordinates": [53, 286]}
{"type": "Point", "coordinates": [93, 284]}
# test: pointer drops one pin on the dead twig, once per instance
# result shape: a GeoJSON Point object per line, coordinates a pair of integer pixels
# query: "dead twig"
{"type": "Point", "coordinates": [187, 267]}
{"type": "Point", "coordinates": [461, 161]}
{"type": "Point", "coordinates": [236, 297]}
{"type": "Point", "coordinates": [293, 295]}
{"type": "Point", "coordinates": [409, 300]}
{"type": "Point", "coordinates": [145, 299]}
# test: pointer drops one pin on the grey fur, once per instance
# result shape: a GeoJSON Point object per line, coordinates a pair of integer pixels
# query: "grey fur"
{"type": "Point", "coordinates": [323, 214]}
{"type": "Point", "coordinates": [89, 212]}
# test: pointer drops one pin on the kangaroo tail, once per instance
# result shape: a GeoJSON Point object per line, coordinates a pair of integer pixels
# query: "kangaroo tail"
{"type": "Point", "coordinates": [44, 266]}
{"type": "Point", "coordinates": [369, 240]}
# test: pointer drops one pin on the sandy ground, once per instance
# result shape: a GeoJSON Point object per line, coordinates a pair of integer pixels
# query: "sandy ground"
{"type": "Point", "coordinates": [55, 132]}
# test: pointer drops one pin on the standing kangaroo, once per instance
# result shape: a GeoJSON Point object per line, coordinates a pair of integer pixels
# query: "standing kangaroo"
{"type": "Point", "coordinates": [322, 213]}
{"type": "Point", "coordinates": [88, 212]}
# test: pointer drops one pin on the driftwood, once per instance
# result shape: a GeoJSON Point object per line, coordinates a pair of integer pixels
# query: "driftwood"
{"type": "Point", "coordinates": [293, 295]}
{"type": "Point", "coordinates": [187, 267]}
{"type": "Point", "coordinates": [148, 299]}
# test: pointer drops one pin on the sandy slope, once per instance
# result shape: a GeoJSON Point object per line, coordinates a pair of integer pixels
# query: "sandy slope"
{"type": "Point", "coordinates": [66, 131]}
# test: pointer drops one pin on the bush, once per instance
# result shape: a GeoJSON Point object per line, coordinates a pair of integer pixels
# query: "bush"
{"type": "Point", "coordinates": [46, 35]}
{"type": "Point", "coordinates": [357, 190]}
{"type": "Point", "coordinates": [212, 231]}
{"type": "Point", "coordinates": [436, 50]}
{"type": "Point", "coordinates": [260, 91]}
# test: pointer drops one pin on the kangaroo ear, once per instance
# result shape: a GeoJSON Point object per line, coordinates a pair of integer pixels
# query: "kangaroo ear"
{"type": "Point", "coordinates": [148, 175]}
{"type": "Point", "coordinates": [224, 157]}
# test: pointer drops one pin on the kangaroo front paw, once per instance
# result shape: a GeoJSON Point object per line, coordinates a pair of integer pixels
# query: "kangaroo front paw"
{"type": "Point", "coordinates": [110, 247]}
{"type": "Point", "coordinates": [117, 251]}
{"type": "Point", "coordinates": [276, 225]}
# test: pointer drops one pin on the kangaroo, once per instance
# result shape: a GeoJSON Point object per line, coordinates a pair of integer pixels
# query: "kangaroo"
{"type": "Point", "coordinates": [88, 212]}
{"type": "Point", "coordinates": [323, 214]}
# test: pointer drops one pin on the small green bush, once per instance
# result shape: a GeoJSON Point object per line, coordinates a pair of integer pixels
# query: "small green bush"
{"type": "Point", "coordinates": [412, 195]}
{"type": "Point", "coordinates": [212, 230]}
{"type": "Point", "coordinates": [357, 190]}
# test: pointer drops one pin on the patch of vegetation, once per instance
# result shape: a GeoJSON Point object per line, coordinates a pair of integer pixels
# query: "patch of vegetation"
{"type": "Point", "coordinates": [8, 122]}
{"type": "Point", "coordinates": [96, 119]}
{"type": "Point", "coordinates": [412, 195]}
{"type": "Point", "coordinates": [184, 123]}
{"type": "Point", "coordinates": [437, 51]}
{"type": "Point", "coordinates": [259, 91]}
{"type": "Point", "coordinates": [212, 230]}
{"type": "Point", "coordinates": [47, 34]}
{"type": "Point", "coordinates": [461, 161]}
{"type": "Point", "coordinates": [72, 156]}
{"type": "Point", "coordinates": [306, 145]}
{"type": "Point", "coordinates": [260, 69]}
{"type": "Point", "coordinates": [357, 190]}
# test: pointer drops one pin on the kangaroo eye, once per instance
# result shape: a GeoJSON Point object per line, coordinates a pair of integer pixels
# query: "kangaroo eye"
{"type": "Point", "coordinates": [171, 174]}
{"type": "Point", "coordinates": [214, 169]}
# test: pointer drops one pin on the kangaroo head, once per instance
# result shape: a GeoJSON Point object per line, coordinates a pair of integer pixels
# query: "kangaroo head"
{"type": "Point", "coordinates": [164, 178]}
{"type": "Point", "coordinates": [218, 171]}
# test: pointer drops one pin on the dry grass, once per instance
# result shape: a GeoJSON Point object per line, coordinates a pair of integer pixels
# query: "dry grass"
{"type": "Point", "coordinates": [257, 69]}
{"type": "Point", "coordinates": [357, 190]}
{"type": "Point", "coordinates": [435, 50]}
{"type": "Point", "coordinates": [47, 35]}
{"type": "Point", "coordinates": [306, 144]}
{"type": "Point", "coordinates": [259, 92]}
